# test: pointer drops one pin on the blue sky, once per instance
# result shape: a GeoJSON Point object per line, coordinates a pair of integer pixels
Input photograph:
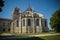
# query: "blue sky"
{"type": "Point", "coordinates": [46, 7]}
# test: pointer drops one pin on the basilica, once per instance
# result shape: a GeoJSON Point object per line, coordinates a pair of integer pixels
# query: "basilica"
{"type": "Point", "coordinates": [28, 21]}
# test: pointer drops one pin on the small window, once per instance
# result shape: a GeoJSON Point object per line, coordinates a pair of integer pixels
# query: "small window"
{"type": "Point", "coordinates": [28, 12]}
{"type": "Point", "coordinates": [8, 25]}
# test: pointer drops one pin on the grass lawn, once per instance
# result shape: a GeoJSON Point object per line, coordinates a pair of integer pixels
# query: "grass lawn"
{"type": "Point", "coordinates": [56, 37]}
{"type": "Point", "coordinates": [34, 33]}
{"type": "Point", "coordinates": [53, 37]}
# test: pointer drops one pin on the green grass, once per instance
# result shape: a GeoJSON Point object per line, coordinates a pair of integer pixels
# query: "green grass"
{"type": "Point", "coordinates": [55, 37]}
{"type": "Point", "coordinates": [34, 33]}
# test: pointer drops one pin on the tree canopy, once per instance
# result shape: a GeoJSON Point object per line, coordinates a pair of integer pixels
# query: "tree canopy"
{"type": "Point", "coordinates": [55, 21]}
{"type": "Point", "coordinates": [1, 4]}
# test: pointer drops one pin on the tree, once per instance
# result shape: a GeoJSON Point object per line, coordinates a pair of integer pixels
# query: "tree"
{"type": "Point", "coordinates": [55, 21]}
{"type": "Point", "coordinates": [1, 4]}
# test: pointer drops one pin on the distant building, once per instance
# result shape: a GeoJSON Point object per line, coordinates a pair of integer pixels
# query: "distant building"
{"type": "Point", "coordinates": [28, 21]}
{"type": "Point", "coordinates": [5, 25]}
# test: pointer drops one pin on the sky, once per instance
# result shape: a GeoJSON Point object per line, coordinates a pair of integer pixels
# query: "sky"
{"type": "Point", "coordinates": [46, 7]}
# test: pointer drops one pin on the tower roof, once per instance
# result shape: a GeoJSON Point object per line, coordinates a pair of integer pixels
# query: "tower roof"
{"type": "Point", "coordinates": [29, 9]}
{"type": "Point", "coordinates": [16, 9]}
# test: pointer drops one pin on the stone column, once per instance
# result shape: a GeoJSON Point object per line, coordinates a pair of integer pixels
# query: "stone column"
{"type": "Point", "coordinates": [11, 27]}
{"type": "Point", "coordinates": [33, 25]}
{"type": "Point", "coordinates": [26, 23]}
{"type": "Point", "coordinates": [40, 24]}
{"type": "Point", "coordinates": [24, 26]}
{"type": "Point", "coordinates": [20, 25]}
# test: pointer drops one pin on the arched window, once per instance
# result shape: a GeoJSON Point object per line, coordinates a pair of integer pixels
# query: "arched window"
{"type": "Point", "coordinates": [28, 22]}
{"type": "Point", "coordinates": [23, 22]}
{"type": "Point", "coordinates": [17, 23]}
{"type": "Point", "coordinates": [37, 22]}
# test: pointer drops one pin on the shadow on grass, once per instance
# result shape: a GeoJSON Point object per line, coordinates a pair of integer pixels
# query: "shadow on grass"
{"type": "Point", "coordinates": [19, 38]}
{"type": "Point", "coordinates": [33, 38]}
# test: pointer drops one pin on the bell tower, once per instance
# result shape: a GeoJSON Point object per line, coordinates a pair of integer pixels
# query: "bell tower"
{"type": "Point", "coordinates": [16, 13]}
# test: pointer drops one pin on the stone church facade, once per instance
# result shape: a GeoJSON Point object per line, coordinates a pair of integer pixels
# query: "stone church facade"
{"type": "Point", "coordinates": [28, 21]}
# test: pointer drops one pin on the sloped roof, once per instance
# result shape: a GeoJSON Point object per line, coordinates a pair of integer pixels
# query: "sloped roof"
{"type": "Point", "coordinates": [3, 19]}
